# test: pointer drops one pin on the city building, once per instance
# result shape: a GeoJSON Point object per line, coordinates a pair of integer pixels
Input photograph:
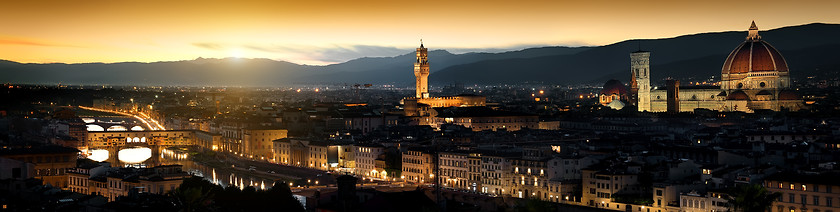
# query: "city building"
{"type": "Point", "coordinates": [804, 193]}
{"type": "Point", "coordinates": [613, 91]}
{"type": "Point", "coordinates": [257, 141]}
{"type": "Point", "coordinates": [50, 162]}
{"type": "Point", "coordinates": [455, 170]}
{"type": "Point", "coordinates": [366, 157]}
{"type": "Point", "coordinates": [603, 181]}
{"type": "Point", "coordinates": [422, 101]}
{"type": "Point", "coordinates": [530, 174]}
{"type": "Point", "coordinates": [312, 154]}
{"type": "Point", "coordinates": [495, 177]}
{"type": "Point", "coordinates": [483, 118]}
{"type": "Point", "coordinates": [101, 179]}
{"type": "Point", "coordinates": [418, 165]}
{"type": "Point", "coordinates": [754, 76]}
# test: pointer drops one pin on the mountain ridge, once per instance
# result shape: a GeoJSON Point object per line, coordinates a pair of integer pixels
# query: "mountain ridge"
{"type": "Point", "coordinates": [550, 64]}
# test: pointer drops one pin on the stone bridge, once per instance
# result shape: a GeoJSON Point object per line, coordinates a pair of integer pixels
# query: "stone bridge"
{"type": "Point", "coordinates": [115, 126]}
{"type": "Point", "coordinates": [126, 139]}
{"type": "Point", "coordinates": [156, 141]}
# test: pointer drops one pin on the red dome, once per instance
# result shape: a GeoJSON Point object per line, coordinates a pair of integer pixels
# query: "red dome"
{"type": "Point", "coordinates": [738, 95]}
{"type": "Point", "coordinates": [754, 56]}
{"type": "Point", "coordinates": [614, 87]}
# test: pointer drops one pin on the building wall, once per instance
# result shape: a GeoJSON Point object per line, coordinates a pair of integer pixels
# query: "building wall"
{"type": "Point", "coordinates": [493, 123]}
{"type": "Point", "coordinates": [599, 188]}
{"type": "Point", "coordinates": [257, 144]}
{"type": "Point", "coordinates": [417, 167]}
{"type": "Point", "coordinates": [529, 179]}
{"type": "Point", "coordinates": [690, 99]}
{"type": "Point", "coordinates": [207, 140]}
{"type": "Point", "coordinates": [91, 181]}
{"type": "Point", "coordinates": [366, 160]}
{"type": "Point", "coordinates": [495, 177]}
{"type": "Point", "coordinates": [282, 151]}
{"type": "Point", "coordinates": [693, 202]}
{"type": "Point", "coordinates": [804, 196]}
{"type": "Point", "coordinates": [318, 157]}
{"type": "Point", "coordinates": [51, 168]}
{"type": "Point", "coordinates": [16, 169]}
{"type": "Point", "coordinates": [454, 170]}
{"type": "Point", "coordinates": [474, 166]}
{"type": "Point", "coordinates": [412, 106]}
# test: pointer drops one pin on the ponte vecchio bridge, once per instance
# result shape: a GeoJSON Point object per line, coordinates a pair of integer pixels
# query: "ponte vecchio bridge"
{"type": "Point", "coordinates": [156, 141]}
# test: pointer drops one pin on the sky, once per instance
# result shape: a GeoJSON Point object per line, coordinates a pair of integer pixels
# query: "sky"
{"type": "Point", "coordinates": [318, 32]}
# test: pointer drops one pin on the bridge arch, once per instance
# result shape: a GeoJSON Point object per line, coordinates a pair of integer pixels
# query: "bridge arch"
{"type": "Point", "coordinates": [117, 128]}
{"type": "Point", "coordinates": [137, 128]}
{"type": "Point", "coordinates": [94, 128]}
{"type": "Point", "coordinates": [88, 120]}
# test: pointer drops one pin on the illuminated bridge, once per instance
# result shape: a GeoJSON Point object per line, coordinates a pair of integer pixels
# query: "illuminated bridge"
{"type": "Point", "coordinates": [97, 124]}
{"type": "Point", "coordinates": [142, 145]}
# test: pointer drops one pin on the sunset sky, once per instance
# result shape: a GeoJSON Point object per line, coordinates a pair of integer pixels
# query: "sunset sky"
{"type": "Point", "coordinates": [324, 32]}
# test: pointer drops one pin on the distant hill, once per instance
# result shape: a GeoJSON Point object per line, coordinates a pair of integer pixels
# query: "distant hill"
{"type": "Point", "coordinates": [692, 56]}
{"type": "Point", "coordinates": [807, 48]}
{"type": "Point", "coordinates": [249, 72]}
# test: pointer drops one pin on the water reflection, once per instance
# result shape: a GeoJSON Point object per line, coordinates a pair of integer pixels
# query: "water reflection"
{"type": "Point", "coordinates": [135, 155]}
{"type": "Point", "coordinates": [98, 155]}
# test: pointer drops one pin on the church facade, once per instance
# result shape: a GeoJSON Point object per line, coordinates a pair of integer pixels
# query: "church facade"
{"type": "Point", "coordinates": [754, 76]}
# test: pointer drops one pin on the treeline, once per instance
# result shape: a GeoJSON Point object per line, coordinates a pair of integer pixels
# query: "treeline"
{"type": "Point", "coordinates": [197, 194]}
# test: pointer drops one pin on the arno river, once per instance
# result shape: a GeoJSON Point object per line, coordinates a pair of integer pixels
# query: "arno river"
{"type": "Point", "coordinates": [224, 174]}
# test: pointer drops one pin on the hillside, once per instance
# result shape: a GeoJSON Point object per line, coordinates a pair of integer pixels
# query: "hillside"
{"type": "Point", "coordinates": [807, 48]}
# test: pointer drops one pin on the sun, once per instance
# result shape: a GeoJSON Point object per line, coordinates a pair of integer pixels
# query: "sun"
{"type": "Point", "coordinates": [236, 53]}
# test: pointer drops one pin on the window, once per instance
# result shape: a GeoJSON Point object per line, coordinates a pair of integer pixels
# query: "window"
{"type": "Point", "coordinates": [804, 187]}
{"type": "Point", "coordinates": [792, 186]}
{"type": "Point", "coordinates": [828, 202]}
{"type": "Point", "coordinates": [791, 198]}
{"type": "Point", "coordinates": [816, 200]}
{"type": "Point", "coordinates": [804, 198]}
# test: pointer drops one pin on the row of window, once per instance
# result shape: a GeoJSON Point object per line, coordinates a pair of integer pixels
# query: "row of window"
{"type": "Point", "coordinates": [43, 159]}
{"type": "Point", "coordinates": [803, 199]}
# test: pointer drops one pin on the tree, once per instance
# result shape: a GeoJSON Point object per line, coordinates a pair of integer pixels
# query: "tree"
{"type": "Point", "coordinates": [751, 198]}
{"type": "Point", "coordinates": [194, 194]}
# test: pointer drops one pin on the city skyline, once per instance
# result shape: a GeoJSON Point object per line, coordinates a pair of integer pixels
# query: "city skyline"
{"type": "Point", "coordinates": [333, 32]}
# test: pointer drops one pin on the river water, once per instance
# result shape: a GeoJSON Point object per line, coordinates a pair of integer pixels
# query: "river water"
{"type": "Point", "coordinates": [142, 157]}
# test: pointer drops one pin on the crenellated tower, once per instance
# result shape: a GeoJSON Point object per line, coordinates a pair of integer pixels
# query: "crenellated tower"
{"type": "Point", "coordinates": [421, 72]}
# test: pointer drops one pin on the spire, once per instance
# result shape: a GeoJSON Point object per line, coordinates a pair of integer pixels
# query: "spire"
{"type": "Point", "coordinates": [421, 42]}
{"type": "Point", "coordinates": [753, 33]}
{"type": "Point", "coordinates": [640, 45]}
